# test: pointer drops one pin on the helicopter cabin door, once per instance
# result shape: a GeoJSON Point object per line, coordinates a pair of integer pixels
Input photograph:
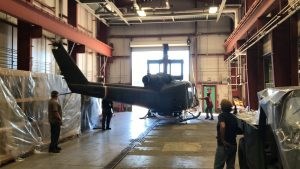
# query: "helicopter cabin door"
{"type": "Point", "coordinates": [212, 90]}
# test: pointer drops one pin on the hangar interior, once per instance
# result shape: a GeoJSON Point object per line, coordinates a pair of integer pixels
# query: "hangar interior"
{"type": "Point", "coordinates": [244, 47]}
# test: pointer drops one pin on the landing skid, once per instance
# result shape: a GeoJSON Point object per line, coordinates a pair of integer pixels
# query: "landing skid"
{"type": "Point", "coordinates": [148, 115]}
{"type": "Point", "coordinates": [180, 116]}
{"type": "Point", "coordinates": [186, 115]}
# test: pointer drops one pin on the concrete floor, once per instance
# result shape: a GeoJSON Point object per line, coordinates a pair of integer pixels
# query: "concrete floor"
{"type": "Point", "coordinates": [134, 143]}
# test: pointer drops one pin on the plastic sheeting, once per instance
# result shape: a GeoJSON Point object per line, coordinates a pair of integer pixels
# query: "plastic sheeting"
{"type": "Point", "coordinates": [282, 108]}
{"type": "Point", "coordinates": [24, 111]}
{"type": "Point", "coordinates": [91, 110]}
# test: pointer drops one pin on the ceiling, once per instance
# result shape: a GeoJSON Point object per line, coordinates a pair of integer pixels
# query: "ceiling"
{"type": "Point", "coordinates": [124, 12]}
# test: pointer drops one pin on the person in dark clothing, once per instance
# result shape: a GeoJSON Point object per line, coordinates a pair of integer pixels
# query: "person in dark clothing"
{"type": "Point", "coordinates": [227, 129]}
{"type": "Point", "coordinates": [55, 120]}
{"type": "Point", "coordinates": [209, 106]}
{"type": "Point", "coordinates": [107, 106]}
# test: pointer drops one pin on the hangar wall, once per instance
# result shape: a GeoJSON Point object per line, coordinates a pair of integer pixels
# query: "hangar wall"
{"type": "Point", "coordinates": [42, 57]}
{"type": "Point", "coordinates": [87, 61]}
{"type": "Point", "coordinates": [206, 48]}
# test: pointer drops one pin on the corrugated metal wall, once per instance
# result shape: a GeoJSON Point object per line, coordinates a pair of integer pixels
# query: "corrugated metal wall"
{"type": "Point", "coordinates": [42, 57]}
{"type": "Point", "coordinates": [87, 61]}
{"type": "Point", "coordinates": [8, 45]}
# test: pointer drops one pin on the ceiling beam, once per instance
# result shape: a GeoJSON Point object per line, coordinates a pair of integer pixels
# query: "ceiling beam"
{"type": "Point", "coordinates": [86, 7]}
{"type": "Point", "coordinates": [247, 23]}
{"type": "Point", "coordinates": [26, 11]}
{"type": "Point", "coordinates": [221, 9]}
{"type": "Point", "coordinates": [116, 9]}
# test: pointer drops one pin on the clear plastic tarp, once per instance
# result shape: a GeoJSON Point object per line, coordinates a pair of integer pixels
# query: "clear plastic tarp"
{"type": "Point", "coordinates": [90, 113]}
{"type": "Point", "coordinates": [24, 124]}
{"type": "Point", "coordinates": [282, 108]}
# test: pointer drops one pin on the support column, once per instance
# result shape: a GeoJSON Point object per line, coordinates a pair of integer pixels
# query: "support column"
{"type": "Point", "coordinates": [165, 58]}
{"type": "Point", "coordinates": [24, 46]}
{"type": "Point", "coordinates": [255, 75]}
{"type": "Point", "coordinates": [285, 58]}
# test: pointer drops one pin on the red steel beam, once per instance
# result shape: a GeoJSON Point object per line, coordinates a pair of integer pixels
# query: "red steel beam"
{"type": "Point", "coordinates": [28, 12]}
{"type": "Point", "coordinates": [258, 8]}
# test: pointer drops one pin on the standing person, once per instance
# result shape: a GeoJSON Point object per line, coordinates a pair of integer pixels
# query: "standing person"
{"type": "Point", "coordinates": [107, 106]}
{"type": "Point", "coordinates": [227, 129]}
{"type": "Point", "coordinates": [55, 120]}
{"type": "Point", "coordinates": [209, 106]}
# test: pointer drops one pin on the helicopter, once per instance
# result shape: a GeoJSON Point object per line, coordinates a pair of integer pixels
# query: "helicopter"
{"type": "Point", "coordinates": [161, 94]}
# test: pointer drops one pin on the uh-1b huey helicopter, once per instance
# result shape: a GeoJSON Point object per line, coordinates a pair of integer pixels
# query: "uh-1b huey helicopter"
{"type": "Point", "coordinates": [161, 94]}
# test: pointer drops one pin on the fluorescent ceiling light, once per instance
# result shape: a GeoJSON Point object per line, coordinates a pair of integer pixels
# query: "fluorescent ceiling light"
{"type": "Point", "coordinates": [167, 4]}
{"type": "Point", "coordinates": [213, 9]}
{"type": "Point", "coordinates": [108, 7]}
{"type": "Point", "coordinates": [141, 13]}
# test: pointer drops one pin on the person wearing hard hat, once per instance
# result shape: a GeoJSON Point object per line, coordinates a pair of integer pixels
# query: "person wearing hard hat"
{"type": "Point", "coordinates": [227, 129]}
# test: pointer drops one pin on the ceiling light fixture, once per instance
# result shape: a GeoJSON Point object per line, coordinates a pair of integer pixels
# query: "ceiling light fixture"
{"type": "Point", "coordinates": [141, 13]}
{"type": "Point", "coordinates": [108, 7]}
{"type": "Point", "coordinates": [213, 9]}
{"type": "Point", "coordinates": [167, 4]}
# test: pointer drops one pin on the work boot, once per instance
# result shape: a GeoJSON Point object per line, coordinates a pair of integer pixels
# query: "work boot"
{"type": "Point", "coordinates": [54, 151]}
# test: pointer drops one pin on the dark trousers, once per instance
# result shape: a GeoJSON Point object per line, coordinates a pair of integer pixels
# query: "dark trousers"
{"type": "Point", "coordinates": [225, 155]}
{"type": "Point", "coordinates": [208, 110]}
{"type": "Point", "coordinates": [55, 132]}
{"type": "Point", "coordinates": [106, 116]}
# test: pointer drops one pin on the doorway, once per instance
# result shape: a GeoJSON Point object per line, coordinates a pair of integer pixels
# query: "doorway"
{"type": "Point", "coordinates": [139, 60]}
{"type": "Point", "coordinates": [212, 90]}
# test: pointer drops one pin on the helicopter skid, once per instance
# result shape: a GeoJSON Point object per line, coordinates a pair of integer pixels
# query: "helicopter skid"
{"type": "Point", "coordinates": [180, 116]}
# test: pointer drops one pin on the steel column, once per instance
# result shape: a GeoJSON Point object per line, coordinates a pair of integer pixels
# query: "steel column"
{"type": "Point", "coordinates": [24, 46]}
{"type": "Point", "coordinates": [285, 58]}
{"type": "Point", "coordinates": [254, 73]}
{"type": "Point", "coordinates": [28, 12]}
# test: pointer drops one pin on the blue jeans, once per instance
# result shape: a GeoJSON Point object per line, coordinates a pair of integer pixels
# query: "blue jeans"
{"type": "Point", "coordinates": [225, 155]}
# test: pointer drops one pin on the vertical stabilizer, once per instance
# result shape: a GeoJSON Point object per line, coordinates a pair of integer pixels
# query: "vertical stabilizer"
{"type": "Point", "coordinates": [68, 67]}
